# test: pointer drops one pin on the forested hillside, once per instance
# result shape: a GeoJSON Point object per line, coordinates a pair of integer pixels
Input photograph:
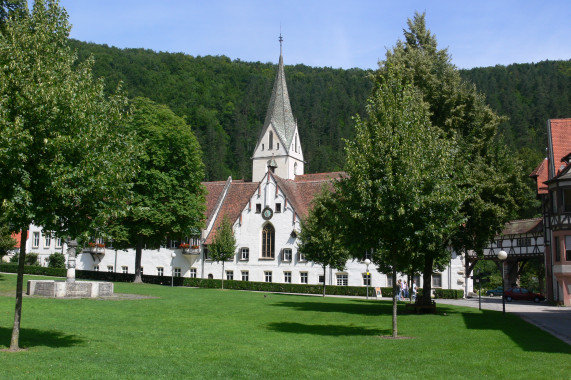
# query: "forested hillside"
{"type": "Point", "coordinates": [225, 101]}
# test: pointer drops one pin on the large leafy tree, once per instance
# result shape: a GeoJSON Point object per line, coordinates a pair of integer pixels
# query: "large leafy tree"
{"type": "Point", "coordinates": [168, 197]}
{"type": "Point", "coordinates": [320, 238]}
{"type": "Point", "coordinates": [402, 187]}
{"type": "Point", "coordinates": [459, 110]}
{"type": "Point", "coordinates": [64, 154]}
{"type": "Point", "coordinates": [224, 245]}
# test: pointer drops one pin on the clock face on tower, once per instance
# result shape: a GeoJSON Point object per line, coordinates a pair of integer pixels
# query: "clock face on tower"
{"type": "Point", "coordinates": [267, 213]}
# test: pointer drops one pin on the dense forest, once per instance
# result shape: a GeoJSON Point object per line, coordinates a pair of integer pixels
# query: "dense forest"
{"type": "Point", "coordinates": [225, 101]}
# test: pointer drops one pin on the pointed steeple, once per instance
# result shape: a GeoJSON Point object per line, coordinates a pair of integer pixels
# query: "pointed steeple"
{"type": "Point", "coordinates": [278, 148]}
{"type": "Point", "coordinates": [279, 110]}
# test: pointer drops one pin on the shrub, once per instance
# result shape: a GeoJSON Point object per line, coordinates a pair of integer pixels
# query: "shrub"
{"type": "Point", "coordinates": [448, 293]}
{"type": "Point", "coordinates": [56, 260]}
{"type": "Point", "coordinates": [31, 258]}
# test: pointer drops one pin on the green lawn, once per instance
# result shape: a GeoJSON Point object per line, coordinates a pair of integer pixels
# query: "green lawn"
{"type": "Point", "coordinates": [208, 333]}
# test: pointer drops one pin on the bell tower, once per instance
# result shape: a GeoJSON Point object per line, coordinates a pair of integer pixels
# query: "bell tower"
{"type": "Point", "coordinates": [278, 148]}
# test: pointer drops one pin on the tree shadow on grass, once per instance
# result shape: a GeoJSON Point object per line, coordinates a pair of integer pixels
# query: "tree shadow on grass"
{"type": "Point", "coordinates": [327, 330]}
{"type": "Point", "coordinates": [527, 336]}
{"type": "Point", "coordinates": [34, 338]}
{"type": "Point", "coordinates": [352, 307]}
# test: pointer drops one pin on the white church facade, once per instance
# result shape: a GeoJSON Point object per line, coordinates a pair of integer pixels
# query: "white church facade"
{"type": "Point", "coordinates": [266, 216]}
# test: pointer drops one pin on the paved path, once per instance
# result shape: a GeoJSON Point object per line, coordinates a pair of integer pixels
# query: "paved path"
{"type": "Point", "coordinates": [555, 320]}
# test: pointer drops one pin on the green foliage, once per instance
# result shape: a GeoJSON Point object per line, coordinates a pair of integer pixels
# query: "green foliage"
{"type": "Point", "coordinates": [320, 238]}
{"type": "Point", "coordinates": [226, 102]}
{"type": "Point", "coordinates": [7, 242]}
{"type": "Point", "coordinates": [167, 194]}
{"type": "Point", "coordinates": [224, 245]}
{"type": "Point", "coordinates": [64, 155]}
{"type": "Point", "coordinates": [31, 258]}
{"type": "Point", "coordinates": [56, 260]}
{"type": "Point", "coordinates": [449, 293]}
{"type": "Point", "coordinates": [34, 270]}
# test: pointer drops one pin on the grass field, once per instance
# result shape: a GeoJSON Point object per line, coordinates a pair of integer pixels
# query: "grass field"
{"type": "Point", "coordinates": [208, 333]}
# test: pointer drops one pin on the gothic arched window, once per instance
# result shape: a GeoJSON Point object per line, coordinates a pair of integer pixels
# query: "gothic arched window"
{"type": "Point", "coordinates": [268, 241]}
{"type": "Point", "coordinates": [271, 142]}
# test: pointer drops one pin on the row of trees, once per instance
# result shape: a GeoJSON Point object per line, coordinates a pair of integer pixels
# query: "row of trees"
{"type": "Point", "coordinates": [79, 161]}
{"type": "Point", "coordinates": [424, 172]}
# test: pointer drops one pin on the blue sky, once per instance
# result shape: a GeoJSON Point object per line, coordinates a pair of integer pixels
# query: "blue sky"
{"type": "Point", "coordinates": [329, 33]}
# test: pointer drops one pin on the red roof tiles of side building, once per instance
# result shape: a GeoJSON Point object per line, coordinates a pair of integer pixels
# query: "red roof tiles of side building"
{"type": "Point", "coordinates": [561, 141]}
{"type": "Point", "coordinates": [541, 175]}
{"type": "Point", "coordinates": [213, 193]}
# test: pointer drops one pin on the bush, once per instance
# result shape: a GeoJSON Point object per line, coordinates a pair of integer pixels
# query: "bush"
{"type": "Point", "coordinates": [448, 293]}
{"type": "Point", "coordinates": [31, 258]}
{"type": "Point", "coordinates": [29, 269]}
{"type": "Point", "coordinates": [56, 260]}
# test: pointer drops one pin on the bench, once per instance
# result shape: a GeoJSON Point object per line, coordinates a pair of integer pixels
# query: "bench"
{"type": "Point", "coordinates": [420, 308]}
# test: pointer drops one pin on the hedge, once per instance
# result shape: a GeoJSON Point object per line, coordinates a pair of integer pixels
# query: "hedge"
{"type": "Point", "coordinates": [448, 293]}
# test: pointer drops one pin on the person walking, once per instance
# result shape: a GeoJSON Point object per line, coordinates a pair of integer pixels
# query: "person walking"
{"type": "Point", "coordinates": [404, 290]}
{"type": "Point", "coordinates": [399, 290]}
{"type": "Point", "coordinates": [413, 286]}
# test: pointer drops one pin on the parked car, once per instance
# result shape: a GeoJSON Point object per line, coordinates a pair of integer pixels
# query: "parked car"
{"type": "Point", "coordinates": [495, 292]}
{"type": "Point", "coordinates": [522, 294]}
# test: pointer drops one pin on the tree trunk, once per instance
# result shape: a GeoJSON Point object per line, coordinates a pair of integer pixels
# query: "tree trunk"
{"type": "Point", "coordinates": [14, 342]}
{"type": "Point", "coordinates": [427, 280]}
{"type": "Point", "coordinates": [222, 274]}
{"type": "Point", "coordinates": [324, 280]}
{"type": "Point", "coordinates": [138, 254]}
{"type": "Point", "coordinates": [395, 290]}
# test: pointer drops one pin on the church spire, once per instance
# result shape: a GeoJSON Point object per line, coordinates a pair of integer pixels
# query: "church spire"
{"type": "Point", "coordinates": [278, 143]}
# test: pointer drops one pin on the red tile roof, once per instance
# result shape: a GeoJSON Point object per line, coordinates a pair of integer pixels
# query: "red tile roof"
{"type": "Point", "coordinates": [541, 175]}
{"type": "Point", "coordinates": [560, 142]}
{"type": "Point", "coordinates": [299, 193]}
{"type": "Point", "coordinates": [237, 197]}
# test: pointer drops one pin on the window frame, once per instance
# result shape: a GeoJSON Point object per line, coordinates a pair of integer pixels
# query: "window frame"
{"type": "Point", "coordinates": [342, 279]}
{"type": "Point", "coordinates": [304, 277]}
{"type": "Point", "coordinates": [245, 275]}
{"type": "Point", "coordinates": [192, 272]}
{"type": "Point", "coordinates": [436, 283]}
{"type": "Point", "coordinates": [124, 269]}
{"type": "Point", "coordinates": [244, 254]}
{"type": "Point", "coordinates": [160, 271]}
{"type": "Point", "coordinates": [287, 277]}
{"type": "Point", "coordinates": [287, 254]}
{"type": "Point", "coordinates": [366, 279]}
{"type": "Point", "coordinates": [177, 272]}
{"type": "Point", "coordinates": [268, 242]}
{"type": "Point", "coordinates": [268, 276]}
{"type": "Point", "coordinates": [36, 239]}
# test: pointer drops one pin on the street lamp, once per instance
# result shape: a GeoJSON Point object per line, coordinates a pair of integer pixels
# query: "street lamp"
{"type": "Point", "coordinates": [367, 262]}
{"type": "Point", "coordinates": [502, 256]}
{"type": "Point", "coordinates": [173, 255]}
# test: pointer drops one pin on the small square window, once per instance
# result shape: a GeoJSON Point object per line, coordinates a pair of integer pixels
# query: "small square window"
{"type": "Point", "coordinates": [301, 257]}
{"type": "Point", "coordinates": [244, 254]}
{"type": "Point", "coordinates": [268, 276]}
{"type": "Point", "coordinates": [192, 272]}
{"type": "Point", "coordinates": [205, 252]}
{"type": "Point", "coordinates": [245, 275]}
{"type": "Point", "coordinates": [258, 208]}
{"type": "Point", "coordinates": [287, 277]}
{"type": "Point", "coordinates": [96, 268]}
{"type": "Point", "coordinates": [177, 272]}
{"type": "Point", "coordinates": [303, 277]}
{"type": "Point", "coordinates": [109, 268]}
{"type": "Point", "coordinates": [321, 279]}
{"type": "Point", "coordinates": [367, 279]}
{"type": "Point", "coordinates": [286, 254]}
{"type": "Point", "coordinates": [229, 274]}
{"type": "Point", "coordinates": [125, 269]}
{"type": "Point", "coordinates": [58, 243]}
{"type": "Point", "coordinates": [278, 207]}
{"type": "Point", "coordinates": [160, 271]}
{"type": "Point", "coordinates": [47, 241]}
